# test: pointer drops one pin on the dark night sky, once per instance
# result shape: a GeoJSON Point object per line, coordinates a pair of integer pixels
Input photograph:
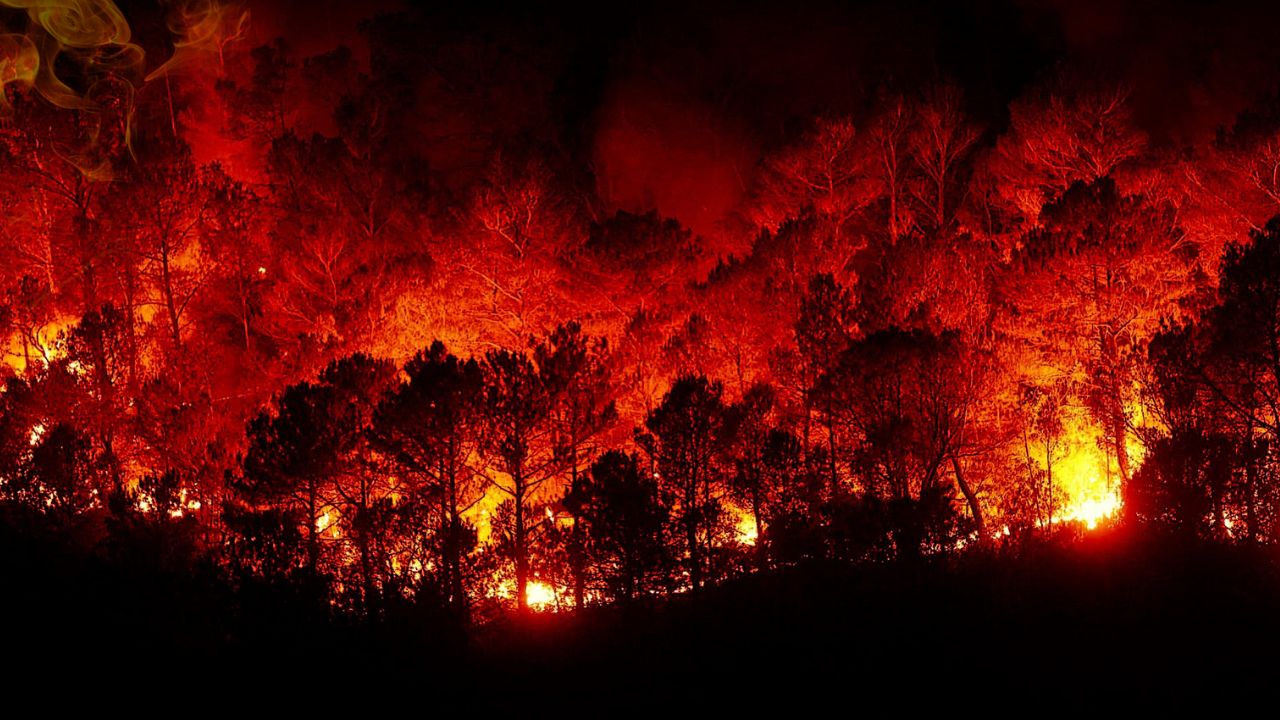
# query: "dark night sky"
{"type": "Point", "coordinates": [776, 61]}
{"type": "Point", "coordinates": [667, 97]}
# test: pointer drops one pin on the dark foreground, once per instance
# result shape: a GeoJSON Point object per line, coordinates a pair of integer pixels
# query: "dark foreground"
{"type": "Point", "coordinates": [1070, 625]}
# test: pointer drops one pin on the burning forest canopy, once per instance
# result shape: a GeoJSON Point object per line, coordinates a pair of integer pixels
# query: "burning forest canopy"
{"type": "Point", "coordinates": [480, 310]}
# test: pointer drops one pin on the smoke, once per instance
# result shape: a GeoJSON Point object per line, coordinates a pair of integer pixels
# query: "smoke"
{"type": "Point", "coordinates": [1192, 66]}
{"type": "Point", "coordinates": [91, 34]}
{"type": "Point", "coordinates": [79, 56]}
{"type": "Point", "coordinates": [695, 92]}
{"type": "Point", "coordinates": [19, 63]}
{"type": "Point", "coordinates": [201, 29]}
{"type": "Point", "coordinates": [675, 154]}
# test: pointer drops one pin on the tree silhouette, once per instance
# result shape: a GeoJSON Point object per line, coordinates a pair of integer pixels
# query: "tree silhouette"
{"type": "Point", "coordinates": [822, 334]}
{"type": "Point", "coordinates": [684, 436]}
{"type": "Point", "coordinates": [576, 373]}
{"type": "Point", "coordinates": [432, 426]}
{"type": "Point", "coordinates": [625, 517]}
{"type": "Point", "coordinates": [308, 456]}
{"type": "Point", "coordinates": [521, 447]}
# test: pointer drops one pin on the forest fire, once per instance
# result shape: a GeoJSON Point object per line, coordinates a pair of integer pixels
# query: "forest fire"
{"type": "Point", "coordinates": [435, 315]}
{"type": "Point", "coordinates": [1092, 511]}
{"type": "Point", "coordinates": [1089, 486]}
{"type": "Point", "coordinates": [747, 531]}
{"type": "Point", "coordinates": [36, 345]}
{"type": "Point", "coordinates": [540, 596]}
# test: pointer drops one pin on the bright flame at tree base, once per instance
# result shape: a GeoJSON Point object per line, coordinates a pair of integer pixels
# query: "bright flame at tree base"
{"type": "Point", "coordinates": [542, 596]}
{"type": "Point", "coordinates": [1083, 481]}
{"type": "Point", "coordinates": [1092, 510]}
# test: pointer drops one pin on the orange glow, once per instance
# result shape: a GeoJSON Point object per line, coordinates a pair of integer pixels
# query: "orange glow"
{"type": "Point", "coordinates": [1085, 480]}
{"type": "Point", "coordinates": [41, 347]}
{"type": "Point", "coordinates": [744, 528]}
{"type": "Point", "coordinates": [542, 596]}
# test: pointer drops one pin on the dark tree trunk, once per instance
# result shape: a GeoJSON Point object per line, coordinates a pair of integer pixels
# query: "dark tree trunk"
{"type": "Point", "coordinates": [761, 559]}
{"type": "Point", "coordinates": [313, 540]}
{"type": "Point", "coordinates": [521, 551]}
{"type": "Point", "coordinates": [831, 451]}
{"type": "Point", "coordinates": [1250, 479]}
{"type": "Point", "coordinates": [971, 498]}
{"type": "Point", "coordinates": [170, 303]}
{"type": "Point", "coordinates": [1119, 429]}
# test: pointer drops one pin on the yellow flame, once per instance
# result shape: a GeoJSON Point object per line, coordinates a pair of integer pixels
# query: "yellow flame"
{"type": "Point", "coordinates": [541, 595]}
{"type": "Point", "coordinates": [327, 525]}
{"type": "Point", "coordinates": [1092, 511]}
{"type": "Point", "coordinates": [42, 347]}
{"type": "Point", "coordinates": [745, 529]}
{"type": "Point", "coordinates": [1086, 481]}
{"type": "Point", "coordinates": [744, 524]}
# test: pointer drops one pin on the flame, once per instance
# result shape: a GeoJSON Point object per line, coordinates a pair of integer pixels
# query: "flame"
{"type": "Point", "coordinates": [744, 528]}
{"type": "Point", "coordinates": [185, 505]}
{"type": "Point", "coordinates": [541, 595]}
{"type": "Point", "coordinates": [42, 346]}
{"type": "Point", "coordinates": [1081, 481]}
{"type": "Point", "coordinates": [327, 525]}
{"type": "Point", "coordinates": [1086, 482]}
{"type": "Point", "coordinates": [1093, 510]}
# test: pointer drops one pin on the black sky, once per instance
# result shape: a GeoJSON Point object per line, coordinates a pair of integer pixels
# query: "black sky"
{"type": "Point", "coordinates": [671, 104]}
